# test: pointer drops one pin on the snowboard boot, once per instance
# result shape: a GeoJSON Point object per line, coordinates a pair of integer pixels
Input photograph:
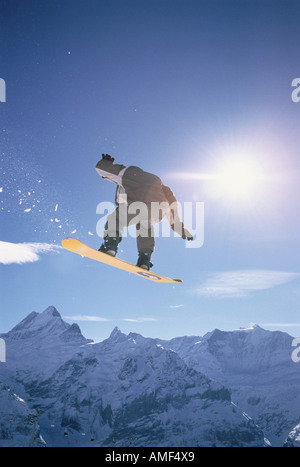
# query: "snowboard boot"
{"type": "Point", "coordinates": [144, 260]}
{"type": "Point", "coordinates": [110, 245]}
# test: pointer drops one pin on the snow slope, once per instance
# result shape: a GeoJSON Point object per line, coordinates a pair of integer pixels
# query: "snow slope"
{"type": "Point", "coordinates": [18, 424]}
{"type": "Point", "coordinates": [293, 439]}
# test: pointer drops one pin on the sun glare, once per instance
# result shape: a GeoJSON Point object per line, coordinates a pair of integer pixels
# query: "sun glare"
{"type": "Point", "coordinates": [239, 177]}
{"type": "Point", "coordinates": [233, 174]}
{"type": "Point", "coordinates": [236, 173]}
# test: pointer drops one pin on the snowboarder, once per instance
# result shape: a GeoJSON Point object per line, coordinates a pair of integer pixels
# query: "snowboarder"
{"type": "Point", "coordinates": [141, 191]}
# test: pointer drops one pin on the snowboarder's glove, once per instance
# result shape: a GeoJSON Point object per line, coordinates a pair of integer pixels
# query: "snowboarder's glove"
{"type": "Point", "coordinates": [107, 157]}
{"type": "Point", "coordinates": [186, 235]}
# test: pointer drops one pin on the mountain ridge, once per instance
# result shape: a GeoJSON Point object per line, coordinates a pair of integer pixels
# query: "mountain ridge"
{"type": "Point", "coordinates": [157, 390]}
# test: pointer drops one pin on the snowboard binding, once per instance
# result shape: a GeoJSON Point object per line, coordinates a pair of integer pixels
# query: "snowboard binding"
{"type": "Point", "coordinates": [110, 245]}
{"type": "Point", "coordinates": [144, 260]}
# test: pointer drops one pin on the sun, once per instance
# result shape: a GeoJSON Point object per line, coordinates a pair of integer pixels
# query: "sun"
{"type": "Point", "coordinates": [238, 176]}
{"type": "Point", "coordinates": [234, 174]}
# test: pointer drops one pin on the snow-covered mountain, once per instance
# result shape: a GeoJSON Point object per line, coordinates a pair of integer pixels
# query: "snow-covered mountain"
{"type": "Point", "coordinates": [131, 390]}
{"type": "Point", "coordinates": [293, 439]}
{"type": "Point", "coordinates": [256, 365]}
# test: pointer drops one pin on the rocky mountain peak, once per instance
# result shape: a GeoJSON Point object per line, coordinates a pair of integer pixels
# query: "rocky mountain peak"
{"type": "Point", "coordinates": [46, 325]}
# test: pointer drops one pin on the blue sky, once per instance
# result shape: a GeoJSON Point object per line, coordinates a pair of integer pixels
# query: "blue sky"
{"type": "Point", "coordinates": [181, 89]}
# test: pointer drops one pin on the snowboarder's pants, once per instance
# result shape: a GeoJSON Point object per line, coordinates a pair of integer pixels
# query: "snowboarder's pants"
{"type": "Point", "coordinates": [120, 218]}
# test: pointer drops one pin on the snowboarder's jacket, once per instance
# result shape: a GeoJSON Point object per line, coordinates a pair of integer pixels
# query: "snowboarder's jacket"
{"type": "Point", "coordinates": [136, 185]}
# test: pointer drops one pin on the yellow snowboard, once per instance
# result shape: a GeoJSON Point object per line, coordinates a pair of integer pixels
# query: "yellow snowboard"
{"type": "Point", "coordinates": [74, 245]}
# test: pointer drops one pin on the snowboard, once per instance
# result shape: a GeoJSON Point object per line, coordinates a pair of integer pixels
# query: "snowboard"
{"type": "Point", "coordinates": [74, 245]}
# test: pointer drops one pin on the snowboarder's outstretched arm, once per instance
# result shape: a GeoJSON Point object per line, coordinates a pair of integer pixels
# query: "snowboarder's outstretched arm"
{"type": "Point", "coordinates": [173, 215]}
